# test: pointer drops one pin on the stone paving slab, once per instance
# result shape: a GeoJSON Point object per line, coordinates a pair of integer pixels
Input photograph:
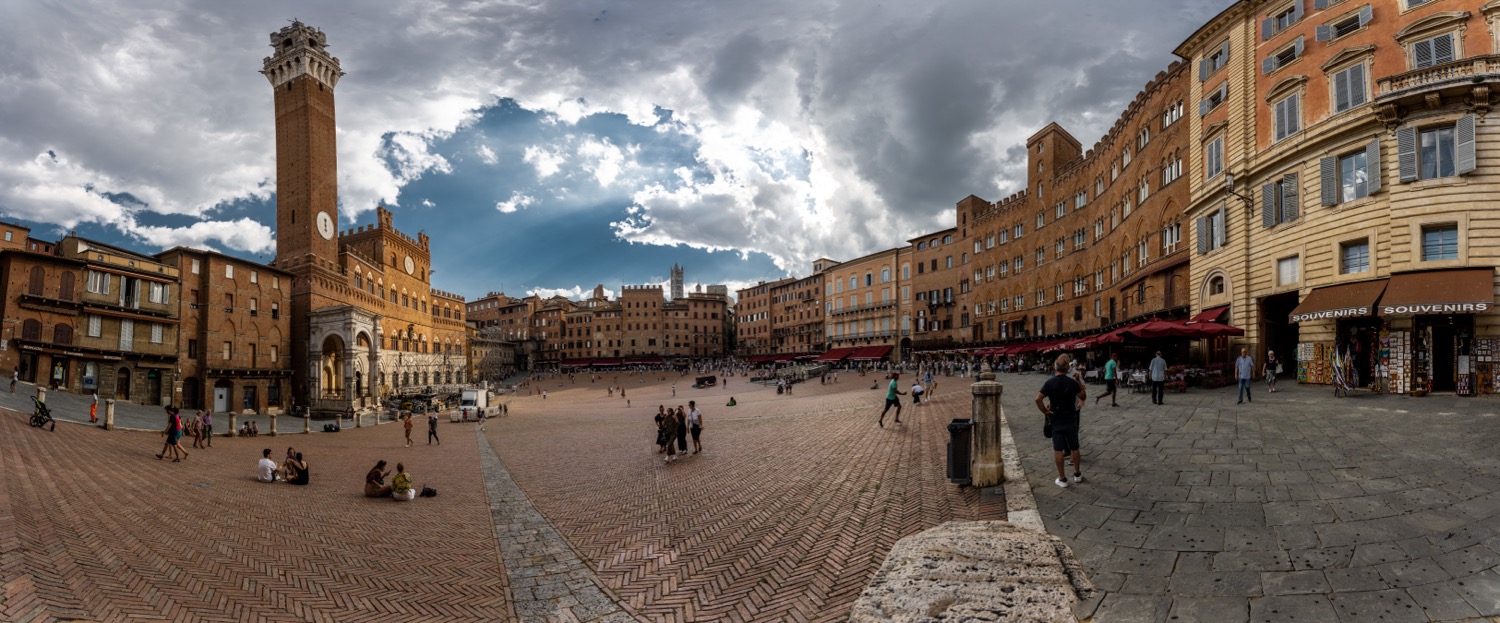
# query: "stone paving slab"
{"type": "Point", "coordinates": [1298, 506]}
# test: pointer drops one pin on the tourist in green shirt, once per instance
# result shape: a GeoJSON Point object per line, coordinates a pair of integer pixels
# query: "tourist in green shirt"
{"type": "Point", "coordinates": [1111, 369]}
{"type": "Point", "coordinates": [891, 400]}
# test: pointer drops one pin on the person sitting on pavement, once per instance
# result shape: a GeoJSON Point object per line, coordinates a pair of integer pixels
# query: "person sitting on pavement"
{"type": "Point", "coordinates": [265, 470]}
{"type": "Point", "coordinates": [401, 485]}
{"type": "Point", "coordinates": [375, 486]}
{"type": "Point", "coordinates": [286, 463]}
{"type": "Point", "coordinates": [300, 474]}
{"type": "Point", "coordinates": [731, 402]}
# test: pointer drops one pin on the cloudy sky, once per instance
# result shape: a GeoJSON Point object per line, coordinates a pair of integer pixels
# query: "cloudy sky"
{"type": "Point", "coordinates": [550, 146]}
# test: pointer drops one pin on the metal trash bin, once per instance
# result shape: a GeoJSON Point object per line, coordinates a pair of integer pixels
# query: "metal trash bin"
{"type": "Point", "coordinates": [960, 446]}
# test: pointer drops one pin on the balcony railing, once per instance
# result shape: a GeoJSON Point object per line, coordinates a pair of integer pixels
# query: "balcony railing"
{"type": "Point", "coordinates": [1458, 72]}
{"type": "Point", "coordinates": [865, 307]}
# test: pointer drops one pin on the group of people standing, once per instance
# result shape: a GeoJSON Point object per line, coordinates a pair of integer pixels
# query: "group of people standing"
{"type": "Point", "coordinates": [673, 427]}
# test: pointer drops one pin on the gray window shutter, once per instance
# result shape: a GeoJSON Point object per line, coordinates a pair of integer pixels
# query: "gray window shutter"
{"type": "Point", "coordinates": [1463, 146]}
{"type": "Point", "coordinates": [1324, 33]}
{"type": "Point", "coordinates": [1224, 90]}
{"type": "Point", "coordinates": [1297, 11]}
{"type": "Point", "coordinates": [1320, 4]}
{"type": "Point", "coordinates": [1373, 167]}
{"type": "Point", "coordinates": [1267, 28]}
{"type": "Point", "coordinates": [1268, 65]}
{"type": "Point", "coordinates": [1203, 69]}
{"type": "Point", "coordinates": [1328, 171]}
{"type": "Point", "coordinates": [1356, 84]}
{"type": "Point", "coordinates": [1298, 45]}
{"type": "Point", "coordinates": [1289, 197]}
{"type": "Point", "coordinates": [1222, 231]}
{"type": "Point", "coordinates": [1442, 49]}
{"type": "Point", "coordinates": [1224, 50]}
{"type": "Point", "coordinates": [1202, 108]}
{"type": "Point", "coordinates": [1366, 14]}
{"type": "Point", "coordinates": [1406, 153]}
{"type": "Point", "coordinates": [1202, 225]}
{"type": "Point", "coordinates": [1268, 205]}
{"type": "Point", "coordinates": [1421, 53]}
{"type": "Point", "coordinates": [1341, 91]}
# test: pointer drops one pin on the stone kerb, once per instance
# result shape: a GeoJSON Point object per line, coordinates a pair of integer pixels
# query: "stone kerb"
{"type": "Point", "coordinates": [975, 571]}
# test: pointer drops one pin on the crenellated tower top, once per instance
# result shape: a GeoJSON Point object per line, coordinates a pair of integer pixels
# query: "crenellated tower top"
{"type": "Point", "coordinates": [301, 50]}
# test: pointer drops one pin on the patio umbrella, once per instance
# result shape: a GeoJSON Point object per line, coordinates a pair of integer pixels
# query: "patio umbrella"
{"type": "Point", "coordinates": [1212, 329]}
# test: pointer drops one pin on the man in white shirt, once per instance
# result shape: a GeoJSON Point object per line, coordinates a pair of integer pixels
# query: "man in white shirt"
{"type": "Point", "coordinates": [265, 470]}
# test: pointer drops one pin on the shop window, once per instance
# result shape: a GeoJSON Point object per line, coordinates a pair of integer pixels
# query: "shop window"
{"type": "Point", "coordinates": [1440, 242]}
{"type": "Point", "coordinates": [1354, 256]}
{"type": "Point", "coordinates": [248, 402]}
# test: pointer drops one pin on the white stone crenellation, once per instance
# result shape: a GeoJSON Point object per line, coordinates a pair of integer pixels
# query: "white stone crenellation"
{"type": "Point", "coordinates": [301, 50]}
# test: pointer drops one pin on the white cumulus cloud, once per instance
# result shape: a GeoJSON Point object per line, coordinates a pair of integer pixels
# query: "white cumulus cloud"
{"type": "Point", "coordinates": [516, 201]}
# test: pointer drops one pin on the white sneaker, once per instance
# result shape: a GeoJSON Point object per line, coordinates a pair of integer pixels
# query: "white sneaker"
{"type": "Point", "coordinates": [1061, 483]}
{"type": "Point", "coordinates": [1077, 478]}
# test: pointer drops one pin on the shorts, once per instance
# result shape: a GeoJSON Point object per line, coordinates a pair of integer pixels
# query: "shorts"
{"type": "Point", "coordinates": [1109, 385]}
{"type": "Point", "coordinates": [892, 402]}
{"type": "Point", "coordinates": [697, 430]}
{"type": "Point", "coordinates": [173, 437]}
{"type": "Point", "coordinates": [1064, 439]}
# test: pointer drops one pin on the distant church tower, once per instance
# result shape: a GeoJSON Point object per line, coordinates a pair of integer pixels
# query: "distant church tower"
{"type": "Point", "coordinates": [676, 282]}
{"type": "Point", "coordinates": [302, 76]}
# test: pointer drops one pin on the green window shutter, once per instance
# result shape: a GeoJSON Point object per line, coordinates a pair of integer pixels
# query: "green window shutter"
{"type": "Point", "coordinates": [1406, 153]}
{"type": "Point", "coordinates": [1328, 173]}
{"type": "Point", "coordinates": [1464, 160]}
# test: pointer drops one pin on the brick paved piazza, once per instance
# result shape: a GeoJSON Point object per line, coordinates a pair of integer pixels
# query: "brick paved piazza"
{"type": "Point", "coordinates": [1295, 507]}
{"type": "Point", "coordinates": [786, 515]}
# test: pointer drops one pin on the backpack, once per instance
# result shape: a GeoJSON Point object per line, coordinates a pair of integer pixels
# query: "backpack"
{"type": "Point", "coordinates": [428, 492]}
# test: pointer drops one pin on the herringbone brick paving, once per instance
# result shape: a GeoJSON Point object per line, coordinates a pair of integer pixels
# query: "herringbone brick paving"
{"type": "Point", "coordinates": [93, 527]}
{"type": "Point", "coordinates": [785, 516]}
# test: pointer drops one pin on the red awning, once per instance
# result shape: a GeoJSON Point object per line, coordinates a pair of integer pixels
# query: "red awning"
{"type": "Point", "coordinates": [1211, 314]}
{"type": "Point", "coordinates": [837, 354]}
{"type": "Point", "coordinates": [870, 353]}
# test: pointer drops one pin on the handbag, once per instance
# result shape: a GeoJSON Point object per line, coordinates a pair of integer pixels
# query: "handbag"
{"type": "Point", "coordinates": [1047, 429]}
{"type": "Point", "coordinates": [428, 492]}
{"type": "Point", "coordinates": [661, 437]}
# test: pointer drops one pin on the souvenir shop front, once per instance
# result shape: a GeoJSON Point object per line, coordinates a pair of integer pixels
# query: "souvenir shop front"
{"type": "Point", "coordinates": [1341, 335]}
{"type": "Point", "coordinates": [1434, 345]}
{"type": "Point", "coordinates": [1415, 333]}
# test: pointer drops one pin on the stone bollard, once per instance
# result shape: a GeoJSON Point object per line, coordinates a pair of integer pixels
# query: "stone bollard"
{"type": "Point", "coordinates": [306, 423]}
{"type": "Point", "coordinates": [273, 427]}
{"type": "Point", "coordinates": [359, 422]}
{"type": "Point", "coordinates": [234, 428]}
{"type": "Point", "coordinates": [109, 414]}
{"type": "Point", "coordinates": [986, 467]}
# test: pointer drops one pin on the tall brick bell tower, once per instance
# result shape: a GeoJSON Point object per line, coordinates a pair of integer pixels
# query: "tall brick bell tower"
{"type": "Point", "coordinates": [302, 76]}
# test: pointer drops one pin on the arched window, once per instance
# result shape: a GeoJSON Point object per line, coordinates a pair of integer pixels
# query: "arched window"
{"type": "Point", "coordinates": [38, 281]}
{"type": "Point", "coordinates": [1216, 286]}
{"type": "Point", "coordinates": [885, 275]}
{"type": "Point", "coordinates": [65, 287]}
{"type": "Point", "coordinates": [948, 239]}
{"type": "Point", "coordinates": [31, 329]}
{"type": "Point", "coordinates": [62, 334]}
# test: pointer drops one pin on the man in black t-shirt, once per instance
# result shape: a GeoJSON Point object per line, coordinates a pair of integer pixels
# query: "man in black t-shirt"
{"type": "Point", "coordinates": [1059, 401]}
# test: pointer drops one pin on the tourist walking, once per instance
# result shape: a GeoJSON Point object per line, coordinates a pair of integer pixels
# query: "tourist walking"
{"type": "Point", "coordinates": [173, 434]}
{"type": "Point", "coordinates": [695, 425]}
{"type": "Point", "coordinates": [94, 409]}
{"type": "Point", "coordinates": [1158, 379]}
{"type": "Point", "coordinates": [1244, 368]}
{"type": "Point", "coordinates": [669, 432]}
{"type": "Point", "coordinates": [195, 428]}
{"type": "Point", "coordinates": [15, 375]}
{"type": "Point", "coordinates": [892, 399]}
{"type": "Point", "coordinates": [407, 424]}
{"type": "Point", "coordinates": [661, 429]}
{"type": "Point", "coordinates": [682, 430]}
{"type": "Point", "coordinates": [208, 428]}
{"type": "Point", "coordinates": [1111, 379]}
{"type": "Point", "coordinates": [1059, 401]}
{"type": "Point", "coordinates": [1272, 368]}
{"type": "Point", "coordinates": [432, 429]}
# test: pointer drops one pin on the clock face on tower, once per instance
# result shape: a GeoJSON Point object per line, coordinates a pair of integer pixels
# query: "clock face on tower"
{"type": "Point", "coordinates": [325, 225]}
{"type": "Point", "coordinates": [411, 266]}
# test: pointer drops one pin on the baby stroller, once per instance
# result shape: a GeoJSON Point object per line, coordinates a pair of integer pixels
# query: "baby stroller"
{"type": "Point", "coordinates": [42, 416]}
